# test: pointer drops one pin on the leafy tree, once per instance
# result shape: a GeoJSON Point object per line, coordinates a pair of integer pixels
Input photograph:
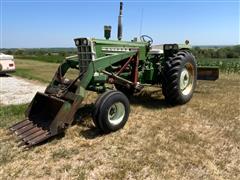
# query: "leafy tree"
{"type": "Point", "coordinates": [232, 54]}
{"type": "Point", "coordinates": [62, 53]}
{"type": "Point", "coordinates": [19, 52]}
{"type": "Point", "coordinates": [9, 52]}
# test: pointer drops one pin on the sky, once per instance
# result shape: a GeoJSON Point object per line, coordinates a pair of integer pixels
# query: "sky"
{"type": "Point", "coordinates": [52, 23]}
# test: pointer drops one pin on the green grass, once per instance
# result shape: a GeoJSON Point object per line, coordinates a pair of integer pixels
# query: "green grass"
{"type": "Point", "coordinates": [11, 114]}
{"type": "Point", "coordinates": [43, 58]}
{"type": "Point", "coordinates": [29, 74]}
{"type": "Point", "coordinates": [35, 70]}
{"type": "Point", "coordinates": [38, 70]}
{"type": "Point", "coordinates": [225, 65]}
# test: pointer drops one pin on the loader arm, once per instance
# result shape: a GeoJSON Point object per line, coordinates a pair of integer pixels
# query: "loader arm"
{"type": "Point", "coordinates": [100, 64]}
{"type": "Point", "coordinates": [50, 113]}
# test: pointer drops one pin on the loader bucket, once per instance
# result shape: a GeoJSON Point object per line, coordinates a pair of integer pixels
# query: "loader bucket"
{"type": "Point", "coordinates": [43, 118]}
{"type": "Point", "coordinates": [207, 73]}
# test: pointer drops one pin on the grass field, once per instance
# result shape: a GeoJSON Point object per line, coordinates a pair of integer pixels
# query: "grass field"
{"type": "Point", "coordinates": [43, 58]}
{"type": "Point", "coordinates": [10, 114]}
{"type": "Point", "coordinates": [38, 70]}
{"type": "Point", "coordinates": [199, 140]}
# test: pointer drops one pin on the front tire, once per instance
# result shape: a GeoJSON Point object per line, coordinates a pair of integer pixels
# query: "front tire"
{"type": "Point", "coordinates": [111, 111]}
{"type": "Point", "coordinates": [179, 78]}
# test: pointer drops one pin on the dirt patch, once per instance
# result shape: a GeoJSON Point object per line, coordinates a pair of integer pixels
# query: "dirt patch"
{"type": "Point", "coordinates": [14, 90]}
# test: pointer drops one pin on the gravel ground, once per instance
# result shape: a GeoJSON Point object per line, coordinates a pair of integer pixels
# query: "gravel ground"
{"type": "Point", "coordinates": [14, 90]}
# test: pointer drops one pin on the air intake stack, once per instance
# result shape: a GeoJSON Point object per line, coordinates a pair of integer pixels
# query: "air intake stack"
{"type": "Point", "coordinates": [120, 22]}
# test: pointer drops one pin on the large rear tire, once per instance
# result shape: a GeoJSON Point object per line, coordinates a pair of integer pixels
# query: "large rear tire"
{"type": "Point", "coordinates": [179, 78]}
{"type": "Point", "coordinates": [111, 111]}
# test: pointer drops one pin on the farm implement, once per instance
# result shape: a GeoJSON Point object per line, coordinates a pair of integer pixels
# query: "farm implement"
{"type": "Point", "coordinates": [127, 66]}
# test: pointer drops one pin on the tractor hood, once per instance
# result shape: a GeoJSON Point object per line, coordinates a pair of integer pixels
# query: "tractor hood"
{"type": "Point", "coordinates": [102, 47]}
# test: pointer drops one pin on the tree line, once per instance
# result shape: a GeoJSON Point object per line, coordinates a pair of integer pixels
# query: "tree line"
{"type": "Point", "coordinates": [41, 52]}
{"type": "Point", "coordinates": [199, 52]}
{"type": "Point", "coordinates": [223, 52]}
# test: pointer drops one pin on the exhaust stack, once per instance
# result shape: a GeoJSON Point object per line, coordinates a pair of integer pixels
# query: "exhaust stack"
{"type": "Point", "coordinates": [120, 22]}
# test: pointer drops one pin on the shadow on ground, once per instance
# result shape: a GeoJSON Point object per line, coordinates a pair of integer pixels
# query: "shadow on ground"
{"type": "Point", "coordinates": [4, 75]}
{"type": "Point", "coordinates": [83, 117]}
{"type": "Point", "coordinates": [150, 100]}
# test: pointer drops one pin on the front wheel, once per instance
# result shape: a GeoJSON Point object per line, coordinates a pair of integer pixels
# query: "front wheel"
{"type": "Point", "coordinates": [180, 76]}
{"type": "Point", "coordinates": [111, 111]}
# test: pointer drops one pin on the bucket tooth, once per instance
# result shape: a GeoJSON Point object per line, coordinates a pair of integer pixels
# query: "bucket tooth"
{"type": "Point", "coordinates": [34, 135]}
{"type": "Point", "coordinates": [24, 129]}
{"type": "Point", "coordinates": [20, 125]}
{"type": "Point", "coordinates": [38, 139]}
{"type": "Point", "coordinates": [29, 132]}
{"type": "Point", "coordinates": [21, 143]}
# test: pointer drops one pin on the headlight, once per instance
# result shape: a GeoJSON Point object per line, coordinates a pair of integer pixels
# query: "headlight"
{"type": "Point", "coordinates": [167, 47]}
{"type": "Point", "coordinates": [175, 47]}
{"type": "Point", "coordinates": [170, 47]}
{"type": "Point", "coordinates": [85, 42]}
{"type": "Point", "coordinates": [77, 42]}
{"type": "Point", "coordinates": [81, 42]}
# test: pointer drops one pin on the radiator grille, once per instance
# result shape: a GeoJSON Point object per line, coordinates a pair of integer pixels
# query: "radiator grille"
{"type": "Point", "coordinates": [85, 53]}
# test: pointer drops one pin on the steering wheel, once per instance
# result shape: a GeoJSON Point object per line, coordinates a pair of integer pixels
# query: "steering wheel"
{"type": "Point", "coordinates": [146, 38]}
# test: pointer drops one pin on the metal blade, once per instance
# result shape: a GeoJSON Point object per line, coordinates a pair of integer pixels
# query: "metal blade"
{"type": "Point", "coordinates": [208, 73]}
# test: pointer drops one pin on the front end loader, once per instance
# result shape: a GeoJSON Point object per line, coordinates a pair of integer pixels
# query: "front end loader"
{"type": "Point", "coordinates": [128, 66]}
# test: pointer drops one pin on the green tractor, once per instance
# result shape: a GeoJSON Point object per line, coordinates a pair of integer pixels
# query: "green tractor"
{"type": "Point", "coordinates": [128, 66]}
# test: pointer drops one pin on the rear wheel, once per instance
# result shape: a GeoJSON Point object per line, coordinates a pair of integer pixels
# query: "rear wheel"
{"type": "Point", "coordinates": [180, 76]}
{"type": "Point", "coordinates": [111, 111]}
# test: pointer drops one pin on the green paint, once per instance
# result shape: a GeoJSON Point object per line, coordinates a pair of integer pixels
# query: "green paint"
{"type": "Point", "coordinates": [100, 44]}
{"type": "Point", "coordinates": [100, 64]}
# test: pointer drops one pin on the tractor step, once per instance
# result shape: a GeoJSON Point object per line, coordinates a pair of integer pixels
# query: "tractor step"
{"type": "Point", "coordinates": [29, 134]}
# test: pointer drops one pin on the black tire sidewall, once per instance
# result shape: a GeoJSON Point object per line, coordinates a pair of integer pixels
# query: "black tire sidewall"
{"type": "Point", "coordinates": [187, 59]}
{"type": "Point", "coordinates": [171, 77]}
{"type": "Point", "coordinates": [97, 107]}
{"type": "Point", "coordinates": [107, 102]}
